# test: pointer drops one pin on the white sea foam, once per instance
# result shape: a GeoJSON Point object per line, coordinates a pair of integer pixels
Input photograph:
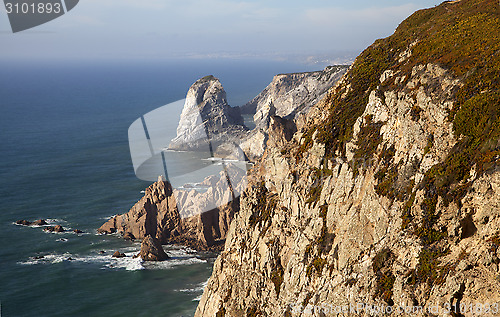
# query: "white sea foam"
{"type": "Point", "coordinates": [66, 231]}
{"type": "Point", "coordinates": [197, 298]}
{"type": "Point", "coordinates": [54, 221]}
{"type": "Point", "coordinates": [180, 250]}
{"type": "Point", "coordinates": [171, 263]}
{"type": "Point", "coordinates": [47, 259]}
{"type": "Point", "coordinates": [199, 288]}
{"type": "Point", "coordinates": [128, 263]}
{"type": "Point", "coordinates": [179, 257]}
{"type": "Point", "coordinates": [106, 218]}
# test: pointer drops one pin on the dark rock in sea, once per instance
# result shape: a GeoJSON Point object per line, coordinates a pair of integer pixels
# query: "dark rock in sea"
{"type": "Point", "coordinates": [151, 250]}
{"type": "Point", "coordinates": [24, 222]}
{"type": "Point", "coordinates": [39, 222]}
{"type": "Point", "coordinates": [128, 236]}
{"type": "Point", "coordinates": [117, 254]}
{"type": "Point", "coordinates": [102, 252]}
{"type": "Point", "coordinates": [77, 231]}
{"type": "Point", "coordinates": [38, 257]}
{"type": "Point", "coordinates": [57, 228]}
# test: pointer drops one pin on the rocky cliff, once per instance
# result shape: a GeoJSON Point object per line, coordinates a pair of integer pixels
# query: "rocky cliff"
{"type": "Point", "coordinates": [289, 94]}
{"type": "Point", "coordinates": [388, 194]}
{"type": "Point", "coordinates": [286, 96]}
{"type": "Point", "coordinates": [173, 216]}
{"type": "Point", "coordinates": [207, 117]}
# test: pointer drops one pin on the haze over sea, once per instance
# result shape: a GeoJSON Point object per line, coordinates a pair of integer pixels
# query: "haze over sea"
{"type": "Point", "coordinates": [65, 158]}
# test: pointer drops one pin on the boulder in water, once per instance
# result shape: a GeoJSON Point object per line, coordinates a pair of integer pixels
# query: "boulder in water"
{"type": "Point", "coordinates": [118, 254]}
{"type": "Point", "coordinates": [23, 222]}
{"type": "Point", "coordinates": [57, 228]}
{"type": "Point", "coordinates": [151, 250]}
{"type": "Point", "coordinates": [39, 222]}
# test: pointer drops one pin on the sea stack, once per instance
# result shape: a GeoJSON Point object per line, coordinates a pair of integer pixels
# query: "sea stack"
{"type": "Point", "coordinates": [151, 250]}
{"type": "Point", "coordinates": [207, 117]}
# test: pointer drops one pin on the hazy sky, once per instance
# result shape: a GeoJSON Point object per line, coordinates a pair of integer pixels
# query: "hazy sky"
{"type": "Point", "coordinates": [161, 29]}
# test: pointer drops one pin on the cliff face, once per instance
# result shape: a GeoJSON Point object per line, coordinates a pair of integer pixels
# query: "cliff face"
{"type": "Point", "coordinates": [388, 194]}
{"type": "Point", "coordinates": [286, 96]}
{"type": "Point", "coordinates": [207, 116]}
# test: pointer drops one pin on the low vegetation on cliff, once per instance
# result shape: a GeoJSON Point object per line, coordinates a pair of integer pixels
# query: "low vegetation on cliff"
{"type": "Point", "coordinates": [389, 191]}
{"type": "Point", "coordinates": [463, 37]}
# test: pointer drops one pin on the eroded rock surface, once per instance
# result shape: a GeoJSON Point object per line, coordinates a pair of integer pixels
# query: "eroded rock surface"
{"type": "Point", "coordinates": [287, 96]}
{"type": "Point", "coordinates": [379, 198]}
{"type": "Point", "coordinates": [207, 117]}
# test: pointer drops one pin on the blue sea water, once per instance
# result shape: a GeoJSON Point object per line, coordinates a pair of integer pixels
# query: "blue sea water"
{"type": "Point", "coordinates": [64, 156]}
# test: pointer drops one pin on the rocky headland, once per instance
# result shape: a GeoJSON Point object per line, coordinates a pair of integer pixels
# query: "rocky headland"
{"type": "Point", "coordinates": [158, 215]}
{"type": "Point", "coordinates": [207, 119]}
{"type": "Point", "coordinates": [387, 196]}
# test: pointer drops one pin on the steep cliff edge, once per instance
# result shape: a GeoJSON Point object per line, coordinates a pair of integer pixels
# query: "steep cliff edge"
{"type": "Point", "coordinates": [388, 194]}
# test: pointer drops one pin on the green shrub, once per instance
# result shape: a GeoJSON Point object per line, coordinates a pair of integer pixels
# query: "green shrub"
{"type": "Point", "coordinates": [254, 312]}
{"type": "Point", "coordinates": [221, 313]}
{"type": "Point", "coordinates": [368, 140]}
{"type": "Point", "coordinates": [430, 143]}
{"type": "Point", "coordinates": [265, 206]}
{"type": "Point", "coordinates": [428, 268]}
{"type": "Point", "coordinates": [382, 267]}
{"type": "Point", "coordinates": [415, 113]}
{"type": "Point", "coordinates": [386, 182]}
{"type": "Point", "coordinates": [315, 266]}
{"type": "Point", "coordinates": [314, 195]}
{"type": "Point", "coordinates": [495, 243]}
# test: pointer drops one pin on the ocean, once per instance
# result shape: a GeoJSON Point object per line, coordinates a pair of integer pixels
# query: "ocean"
{"type": "Point", "coordinates": [65, 158]}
